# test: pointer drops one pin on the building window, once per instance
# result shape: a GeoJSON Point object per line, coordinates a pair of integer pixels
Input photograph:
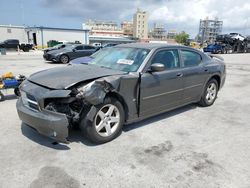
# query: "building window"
{"type": "Point", "coordinates": [8, 30]}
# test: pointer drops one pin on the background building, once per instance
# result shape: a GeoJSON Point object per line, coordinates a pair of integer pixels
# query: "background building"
{"type": "Point", "coordinates": [13, 32]}
{"type": "Point", "coordinates": [158, 32]}
{"type": "Point", "coordinates": [140, 21]}
{"type": "Point", "coordinates": [171, 34]}
{"type": "Point", "coordinates": [39, 36]}
{"type": "Point", "coordinates": [103, 28]}
{"type": "Point", "coordinates": [209, 29]}
{"type": "Point", "coordinates": [127, 28]}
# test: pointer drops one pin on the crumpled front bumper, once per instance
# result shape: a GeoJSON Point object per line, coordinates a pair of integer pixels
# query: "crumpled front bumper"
{"type": "Point", "coordinates": [52, 124]}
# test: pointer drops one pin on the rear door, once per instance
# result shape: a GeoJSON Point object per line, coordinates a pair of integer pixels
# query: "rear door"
{"type": "Point", "coordinates": [79, 51]}
{"type": "Point", "coordinates": [163, 90]}
{"type": "Point", "coordinates": [194, 75]}
{"type": "Point", "coordinates": [89, 50]}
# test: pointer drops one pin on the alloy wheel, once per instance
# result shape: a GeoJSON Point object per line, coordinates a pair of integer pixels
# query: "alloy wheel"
{"type": "Point", "coordinates": [107, 120]}
{"type": "Point", "coordinates": [211, 92]}
{"type": "Point", "coordinates": [64, 59]}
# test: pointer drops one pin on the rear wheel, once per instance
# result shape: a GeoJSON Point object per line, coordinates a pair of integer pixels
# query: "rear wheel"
{"type": "Point", "coordinates": [107, 122]}
{"type": "Point", "coordinates": [210, 93]}
{"type": "Point", "coordinates": [26, 49]}
{"type": "Point", "coordinates": [64, 59]}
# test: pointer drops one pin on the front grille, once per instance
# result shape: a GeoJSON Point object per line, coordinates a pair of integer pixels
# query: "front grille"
{"type": "Point", "coordinates": [46, 56]}
{"type": "Point", "coordinates": [30, 101]}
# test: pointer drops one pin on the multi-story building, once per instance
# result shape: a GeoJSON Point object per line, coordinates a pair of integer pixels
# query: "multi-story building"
{"type": "Point", "coordinates": [103, 28]}
{"type": "Point", "coordinates": [127, 28]}
{"type": "Point", "coordinates": [171, 34]}
{"type": "Point", "coordinates": [140, 21]}
{"type": "Point", "coordinates": [209, 29]}
{"type": "Point", "coordinates": [158, 32]}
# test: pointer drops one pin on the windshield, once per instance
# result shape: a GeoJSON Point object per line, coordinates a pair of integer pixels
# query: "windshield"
{"type": "Point", "coordinates": [123, 59]}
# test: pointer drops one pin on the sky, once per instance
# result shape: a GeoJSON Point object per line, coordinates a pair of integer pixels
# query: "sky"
{"type": "Point", "coordinates": [182, 15]}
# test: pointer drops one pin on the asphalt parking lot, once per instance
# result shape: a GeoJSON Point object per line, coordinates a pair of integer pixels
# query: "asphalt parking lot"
{"type": "Point", "coordinates": [188, 147]}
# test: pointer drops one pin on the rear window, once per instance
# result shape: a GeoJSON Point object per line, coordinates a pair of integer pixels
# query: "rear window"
{"type": "Point", "coordinates": [190, 58]}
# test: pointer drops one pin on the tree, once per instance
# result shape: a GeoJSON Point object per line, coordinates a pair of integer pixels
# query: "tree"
{"type": "Point", "coordinates": [182, 38]}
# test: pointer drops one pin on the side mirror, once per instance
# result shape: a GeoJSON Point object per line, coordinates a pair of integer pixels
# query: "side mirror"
{"type": "Point", "coordinates": [74, 50]}
{"type": "Point", "coordinates": [157, 67]}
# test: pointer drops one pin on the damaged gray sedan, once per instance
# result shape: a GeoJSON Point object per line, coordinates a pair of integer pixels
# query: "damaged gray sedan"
{"type": "Point", "coordinates": [120, 85]}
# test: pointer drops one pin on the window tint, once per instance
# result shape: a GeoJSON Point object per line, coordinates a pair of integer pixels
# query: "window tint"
{"type": "Point", "coordinates": [169, 58]}
{"type": "Point", "coordinates": [89, 47]}
{"type": "Point", "coordinates": [12, 41]}
{"type": "Point", "coordinates": [79, 48]}
{"type": "Point", "coordinates": [190, 58]}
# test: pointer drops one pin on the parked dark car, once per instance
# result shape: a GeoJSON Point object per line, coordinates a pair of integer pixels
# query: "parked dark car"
{"type": "Point", "coordinates": [14, 44]}
{"type": "Point", "coordinates": [69, 53]}
{"type": "Point", "coordinates": [57, 47]}
{"type": "Point", "coordinates": [120, 85]}
{"type": "Point", "coordinates": [86, 59]}
{"type": "Point", "coordinates": [213, 48]}
{"type": "Point", "coordinates": [109, 45]}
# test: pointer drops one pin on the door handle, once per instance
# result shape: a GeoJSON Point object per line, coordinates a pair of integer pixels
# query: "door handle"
{"type": "Point", "coordinates": [179, 74]}
{"type": "Point", "coordinates": [206, 70]}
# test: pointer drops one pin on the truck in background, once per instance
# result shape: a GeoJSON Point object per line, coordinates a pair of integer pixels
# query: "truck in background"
{"type": "Point", "coordinates": [15, 44]}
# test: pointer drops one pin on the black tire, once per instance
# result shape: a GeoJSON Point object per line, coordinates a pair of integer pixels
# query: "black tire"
{"type": "Point", "coordinates": [64, 59]}
{"type": "Point", "coordinates": [88, 127]}
{"type": "Point", "coordinates": [204, 100]}
{"type": "Point", "coordinates": [1, 97]}
{"type": "Point", "coordinates": [26, 49]}
{"type": "Point", "coordinates": [17, 92]}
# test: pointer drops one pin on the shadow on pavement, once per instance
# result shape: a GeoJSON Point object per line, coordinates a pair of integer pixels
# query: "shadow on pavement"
{"type": "Point", "coordinates": [75, 135]}
{"type": "Point", "coordinates": [156, 118]}
{"type": "Point", "coordinates": [10, 97]}
{"type": "Point", "coordinates": [40, 139]}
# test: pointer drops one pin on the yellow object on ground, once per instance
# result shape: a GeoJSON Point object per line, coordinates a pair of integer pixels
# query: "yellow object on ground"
{"type": "Point", "coordinates": [1, 86]}
{"type": "Point", "coordinates": [195, 45]}
{"type": "Point", "coordinates": [7, 75]}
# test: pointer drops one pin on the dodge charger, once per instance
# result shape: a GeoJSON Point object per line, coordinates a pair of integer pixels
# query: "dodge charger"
{"type": "Point", "coordinates": [122, 84]}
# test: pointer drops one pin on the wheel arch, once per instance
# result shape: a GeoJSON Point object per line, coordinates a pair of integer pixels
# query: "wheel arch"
{"type": "Point", "coordinates": [64, 55]}
{"type": "Point", "coordinates": [121, 100]}
{"type": "Point", "coordinates": [217, 78]}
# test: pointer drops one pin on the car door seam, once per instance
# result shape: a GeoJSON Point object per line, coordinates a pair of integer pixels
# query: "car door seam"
{"type": "Point", "coordinates": [170, 92]}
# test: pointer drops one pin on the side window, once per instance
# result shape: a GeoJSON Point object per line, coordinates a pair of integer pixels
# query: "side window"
{"type": "Point", "coordinates": [89, 47]}
{"type": "Point", "coordinates": [190, 58]}
{"type": "Point", "coordinates": [79, 48]}
{"type": "Point", "coordinates": [169, 58]}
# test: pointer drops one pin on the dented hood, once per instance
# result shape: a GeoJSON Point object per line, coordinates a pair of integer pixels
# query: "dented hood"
{"type": "Point", "coordinates": [65, 77]}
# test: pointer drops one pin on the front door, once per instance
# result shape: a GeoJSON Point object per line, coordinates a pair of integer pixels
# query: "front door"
{"type": "Point", "coordinates": [161, 91]}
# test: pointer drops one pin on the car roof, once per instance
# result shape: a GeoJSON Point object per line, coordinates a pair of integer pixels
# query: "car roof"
{"type": "Point", "coordinates": [151, 46]}
{"type": "Point", "coordinates": [75, 45]}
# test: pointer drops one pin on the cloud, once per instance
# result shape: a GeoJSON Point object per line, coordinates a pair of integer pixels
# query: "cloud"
{"type": "Point", "coordinates": [175, 14]}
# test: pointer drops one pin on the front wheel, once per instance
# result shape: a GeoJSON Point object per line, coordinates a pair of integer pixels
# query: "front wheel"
{"type": "Point", "coordinates": [210, 93]}
{"type": "Point", "coordinates": [64, 59]}
{"type": "Point", "coordinates": [107, 122]}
